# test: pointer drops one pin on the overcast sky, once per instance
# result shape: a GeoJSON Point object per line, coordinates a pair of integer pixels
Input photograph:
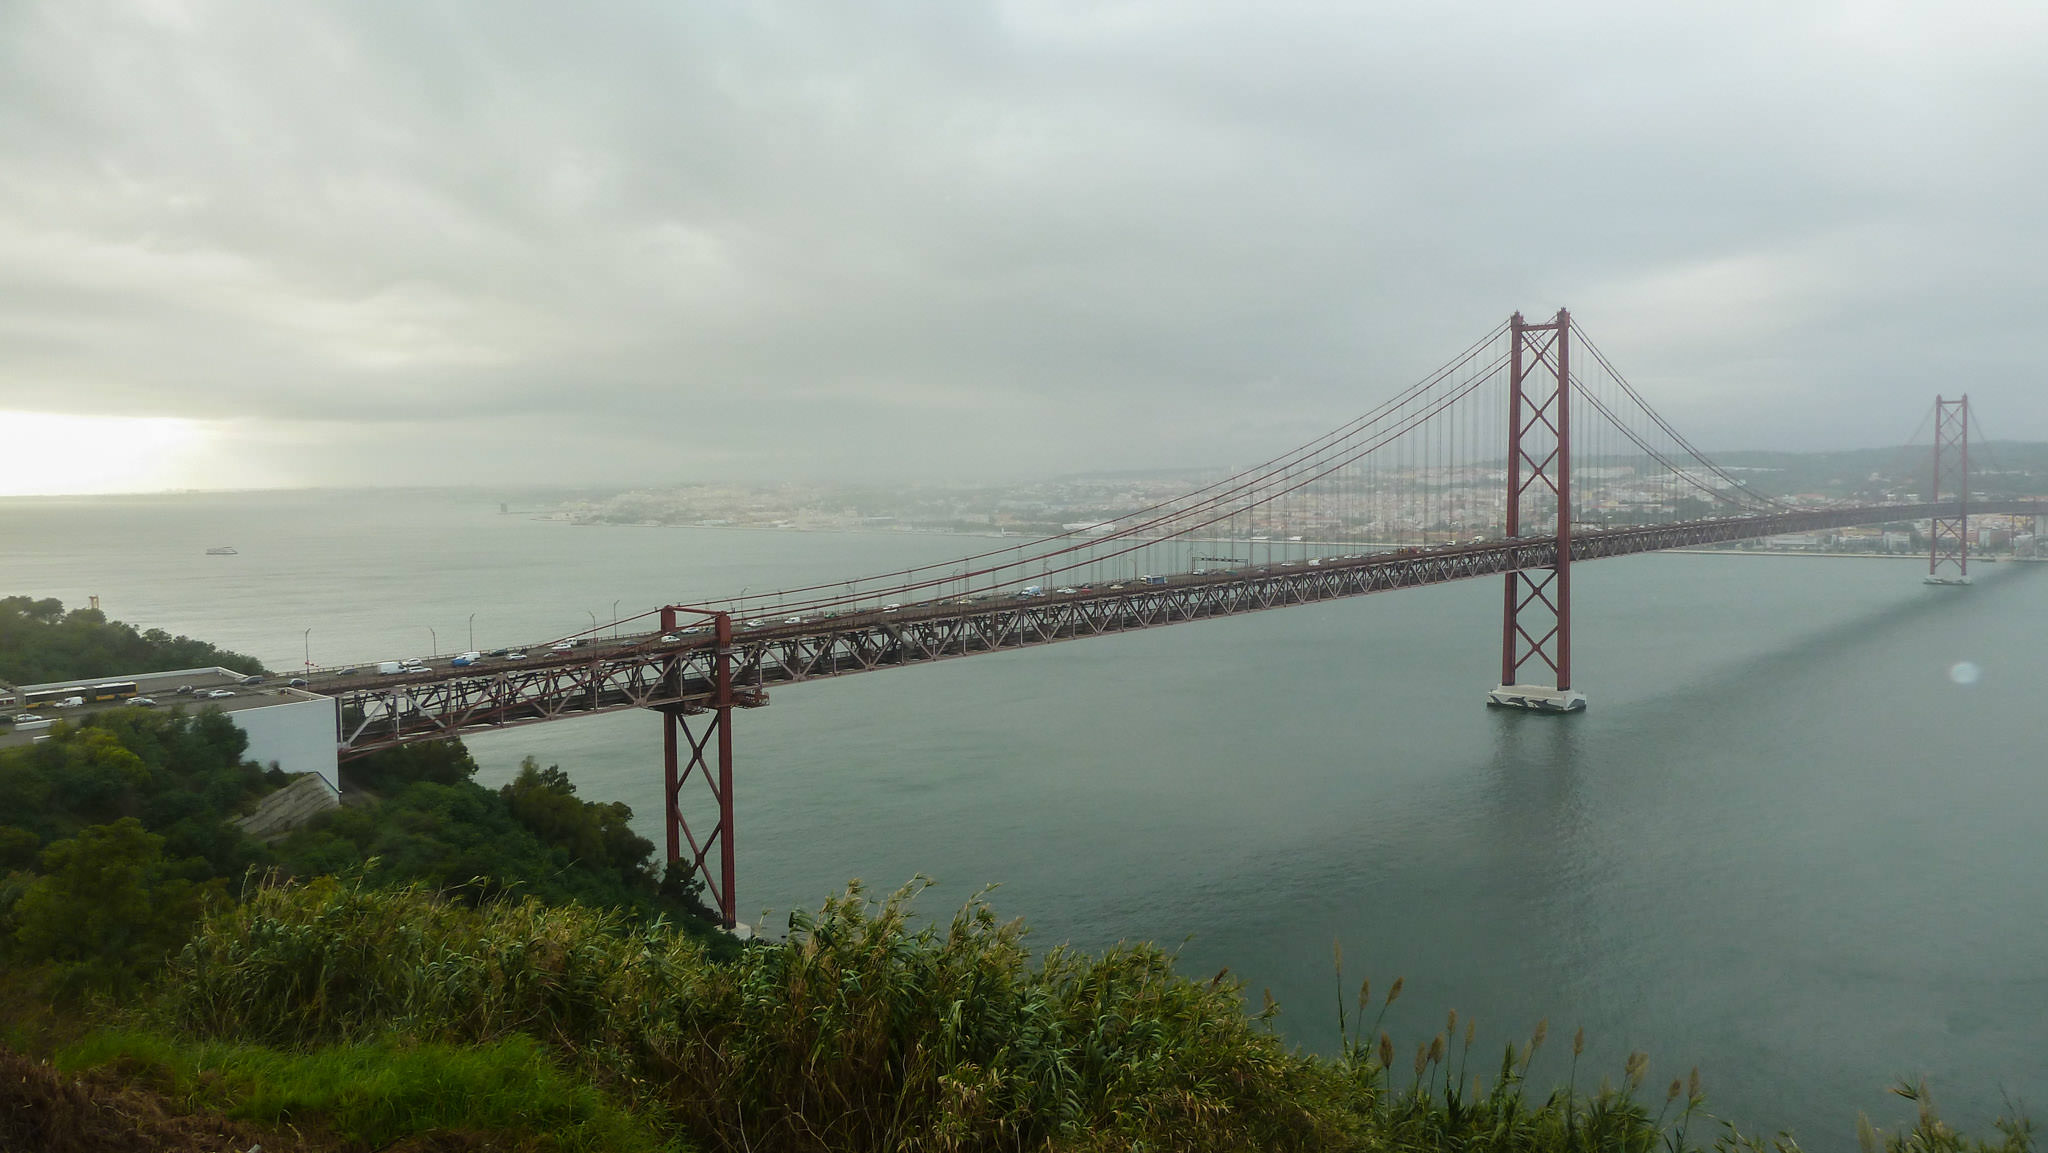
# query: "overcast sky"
{"type": "Point", "coordinates": [418, 242]}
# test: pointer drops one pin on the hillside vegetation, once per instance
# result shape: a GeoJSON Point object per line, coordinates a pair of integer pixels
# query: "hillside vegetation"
{"type": "Point", "coordinates": [454, 967]}
{"type": "Point", "coordinates": [41, 642]}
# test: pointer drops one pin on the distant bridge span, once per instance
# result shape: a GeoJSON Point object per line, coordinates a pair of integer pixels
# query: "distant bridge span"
{"type": "Point", "coordinates": [639, 671]}
{"type": "Point", "coordinates": [1514, 407]}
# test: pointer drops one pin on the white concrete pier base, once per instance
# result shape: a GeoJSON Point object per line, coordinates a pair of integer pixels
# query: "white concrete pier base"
{"type": "Point", "coordinates": [1537, 698]}
{"type": "Point", "coordinates": [1946, 580]}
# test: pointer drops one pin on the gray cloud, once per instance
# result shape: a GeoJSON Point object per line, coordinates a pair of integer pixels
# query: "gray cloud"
{"type": "Point", "coordinates": [393, 242]}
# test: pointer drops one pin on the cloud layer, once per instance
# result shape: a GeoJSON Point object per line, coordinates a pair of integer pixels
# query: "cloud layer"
{"type": "Point", "coordinates": [368, 242]}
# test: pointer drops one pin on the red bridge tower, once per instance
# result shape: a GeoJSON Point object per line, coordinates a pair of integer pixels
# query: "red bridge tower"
{"type": "Point", "coordinates": [1536, 623]}
{"type": "Point", "coordinates": [1948, 548]}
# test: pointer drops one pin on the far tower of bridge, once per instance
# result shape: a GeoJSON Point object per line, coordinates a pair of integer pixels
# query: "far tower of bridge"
{"type": "Point", "coordinates": [1536, 622]}
{"type": "Point", "coordinates": [1948, 544]}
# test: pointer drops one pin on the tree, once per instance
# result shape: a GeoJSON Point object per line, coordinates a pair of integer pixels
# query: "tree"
{"type": "Point", "coordinates": [596, 833]}
{"type": "Point", "coordinates": [109, 907]}
{"type": "Point", "coordinates": [39, 641]}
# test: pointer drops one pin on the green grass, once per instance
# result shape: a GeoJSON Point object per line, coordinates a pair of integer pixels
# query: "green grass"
{"type": "Point", "coordinates": [869, 1029]}
{"type": "Point", "coordinates": [379, 1092]}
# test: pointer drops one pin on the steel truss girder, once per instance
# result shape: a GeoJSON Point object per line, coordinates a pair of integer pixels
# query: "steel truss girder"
{"type": "Point", "coordinates": [382, 712]}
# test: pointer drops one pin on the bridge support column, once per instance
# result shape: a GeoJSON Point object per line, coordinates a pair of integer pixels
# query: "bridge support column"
{"type": "Point", "coordinates": [1536, 619]}
{"type": "Point", "coordinates": [709, 761]}
{"type": "Point", "coordinates": [1948, 546]}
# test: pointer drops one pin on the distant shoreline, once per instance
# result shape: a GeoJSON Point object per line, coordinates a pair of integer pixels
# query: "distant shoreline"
{"type": "Point", "coordinates": [1817, 555]}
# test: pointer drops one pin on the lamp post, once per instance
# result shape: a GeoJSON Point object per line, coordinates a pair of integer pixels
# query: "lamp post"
{"type": "Point", "coordinates": [433, 642]}
{"type": "Point", "coordinates": [593, 619]}
{"type": "Point", "coordinates": [615, 618]}
{"type": "Point", "coordinates": [472, 632]}
{"type": "Point", "coordinates": [307, 638]}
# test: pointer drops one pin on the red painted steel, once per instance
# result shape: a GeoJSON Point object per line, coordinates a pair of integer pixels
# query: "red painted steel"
{"type": "Point", "coordinates": [1539, 458]}
{"type": "Point", "coordinates": [1948, 538]}
{"type": "Point", "coordinates": [720, 883]}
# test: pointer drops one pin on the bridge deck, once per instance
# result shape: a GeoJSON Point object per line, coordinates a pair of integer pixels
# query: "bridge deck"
{"type": "Point", "coordinates": [642, 671]}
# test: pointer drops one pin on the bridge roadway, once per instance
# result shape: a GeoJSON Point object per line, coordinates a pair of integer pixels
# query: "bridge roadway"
{"type": "Point", "coordinates": [642, 671]}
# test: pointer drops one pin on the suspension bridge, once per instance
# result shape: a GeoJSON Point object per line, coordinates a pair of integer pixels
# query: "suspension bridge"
{"type": "Point", "coordinates": [1522, 456]}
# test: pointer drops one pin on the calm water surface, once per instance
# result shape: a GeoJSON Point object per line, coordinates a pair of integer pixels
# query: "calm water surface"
{"type": "Point", "coordinates": [1784, 844]}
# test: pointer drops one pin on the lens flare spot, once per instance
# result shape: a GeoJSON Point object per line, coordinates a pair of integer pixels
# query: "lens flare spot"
{"type": "Point", "coordinates": [1964, 672]}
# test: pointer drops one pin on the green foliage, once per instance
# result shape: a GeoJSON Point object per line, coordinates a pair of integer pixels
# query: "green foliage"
{"type": "Point", "coordinates": [866, 1032]}
{"type": "Point", "coordinates": [869, 1031]}
{"type": "Point", "coordinates": [181, 775]}
{"type": "Point", "coordinates": [376, 1094]}
{"type": "Point", "coordinates": [1930, 1134]}
{"type": "Point", "coordinates": [533, 836]}
{"type": "Point", "coordinates": [598, 835]}
{"type": "Point", "coordinates": [40, 642]}
{"type": "Point", "coordinates": [108, 907]}
{"type": "Point", "coordinates": [341, 960]}
{"type": "Point", "coordinates": [859, 1034]}
{"type": "Point", "coordinates": [389, 771]}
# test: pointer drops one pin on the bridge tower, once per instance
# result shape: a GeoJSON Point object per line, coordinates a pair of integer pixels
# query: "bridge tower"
{"type": "Point", "coordinates": [712, 740]}
{"type": "Point", "coordinates": [1948, 548]}
{"type": "Point", "coordinates": [1536, 624]}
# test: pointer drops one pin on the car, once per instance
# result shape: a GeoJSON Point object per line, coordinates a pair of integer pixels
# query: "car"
{"type": "Point", "coordinates": [515, 656]}
{"type": "Point", "coordinates": [753, 624]}
{"type": "Point", "coordinates": [297, 682]}
{"type": "Point", "coordinates": [669, 638]}
{"type": "Point", "coordinates": [1064, 591]}
{"type": "Point", "coordinates": [184, 690]}
{"type": "Point", "coordinates": [1116, 586]}
{"type": "Point", "coordinates": [217, 694]}
{"type": "Point", "coordinates": [460, 663]}
{"type": "Point", "coordinates": [562, 646]}
{"type": "Point", "coordinates": [143, 702]}
{"type": "Point", "coordinates": [348, 672]}
{"type": "Point", "coordinates": [26, 718]}
{"type": "Point", "coordinates": [253, 679]}
{"type": "Point", "coordinates": [792, 620]}
{"type": "Point", "coordinates": [891, 607]}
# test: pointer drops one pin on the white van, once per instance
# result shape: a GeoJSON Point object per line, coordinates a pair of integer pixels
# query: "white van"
{"type": "Point", "coordinates": [388, 667]}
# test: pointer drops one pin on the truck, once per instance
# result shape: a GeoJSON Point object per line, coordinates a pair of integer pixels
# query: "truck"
{"type": "Point", "coordinates": [1154, 580]}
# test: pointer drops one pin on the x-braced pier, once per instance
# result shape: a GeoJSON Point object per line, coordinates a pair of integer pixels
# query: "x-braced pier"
{"type": "Point", "coordinates": [1536, 621]}
{"type": "Point", "coordinates": [1948, 543]}
{"type": "Point", "coordinates": [709, 762]}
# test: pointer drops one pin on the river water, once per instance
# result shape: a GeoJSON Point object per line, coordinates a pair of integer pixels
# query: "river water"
{"type": "Point", "coordinates": [1795, 841]}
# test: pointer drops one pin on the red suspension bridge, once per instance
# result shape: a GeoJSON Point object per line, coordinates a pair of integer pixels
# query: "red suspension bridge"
{"type": "Point", "coordinates": [1524, 455]}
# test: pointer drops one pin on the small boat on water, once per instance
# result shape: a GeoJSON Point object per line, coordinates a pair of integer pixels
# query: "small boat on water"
{"type": "Point", "coordinates": [222, 550]}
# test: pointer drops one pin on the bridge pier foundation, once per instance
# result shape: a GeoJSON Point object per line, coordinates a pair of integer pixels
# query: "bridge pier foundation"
{"type": "Point", "coordinates": [1537, 698]}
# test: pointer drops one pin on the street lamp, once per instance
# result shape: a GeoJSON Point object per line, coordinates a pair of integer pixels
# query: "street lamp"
{"type": "Point", "coordinates": [593, 619]}
{"type": "Point", "coordinates": [433, 641]}
{"type": "Point", "coordinates": [472, 631]}
{"type": "Point", "coordinates": [615, 618]}
{"type": "Point", "coordinates": [307, 639]}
